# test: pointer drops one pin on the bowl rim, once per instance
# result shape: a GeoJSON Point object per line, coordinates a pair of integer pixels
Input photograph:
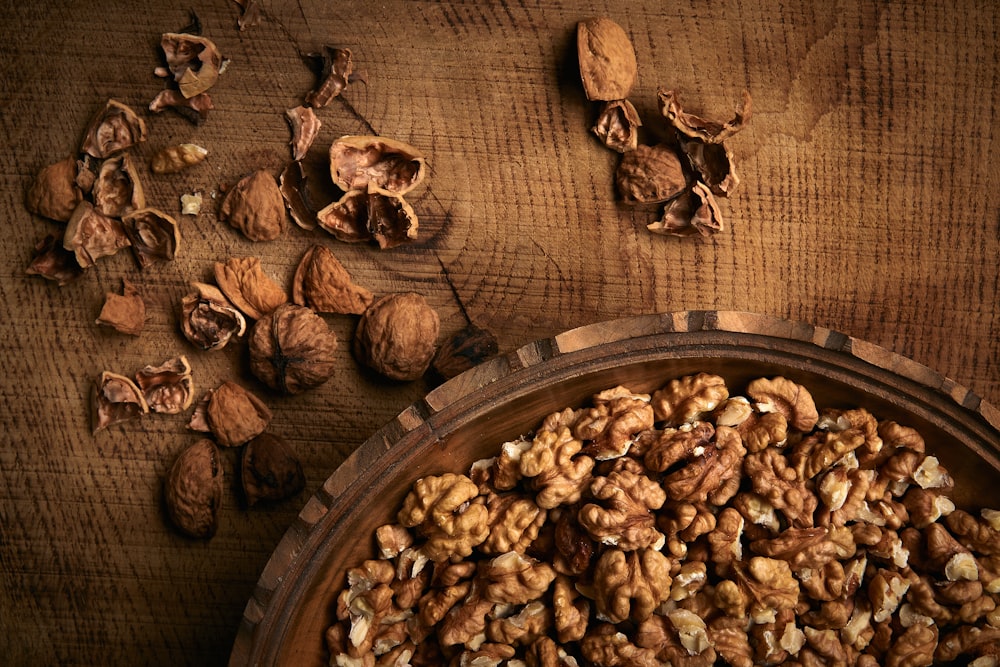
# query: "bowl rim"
{"type": "Point", "coordinates": [266, 606]}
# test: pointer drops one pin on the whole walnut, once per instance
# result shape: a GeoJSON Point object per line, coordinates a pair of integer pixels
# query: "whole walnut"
{"type": "Point", "coordinates": [396, 336]}
{"type": "Point", "coordinates": [292, 349]}
{"type": "Point", "coordinates": [193, 489]}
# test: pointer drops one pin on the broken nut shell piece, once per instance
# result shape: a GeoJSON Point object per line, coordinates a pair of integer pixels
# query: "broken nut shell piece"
{"type": "Point", "coordinates": [167, 388]}
{"type": "Point", "coordinates": [322, 283]}
{"type": "Point", "coordinates": [357, 160]}
{"type": "Point", "coordinates": [193, 489]}
{"type": "Point", "coordinates": [155, 236]}
{"type": "Point", "coordinates": [91, 235]}
{"type": "Point", "coordinates": [193, 61]}
{"type": "Point", "coordinates": [608, 66]}
{"type": "Point", "coordinates": [117, 190]}
{"type": "Point", "coordinates": [114, 128]}
{"type": "Point", "coordinates": [115, 399]}
{"type": "Point", "coordinates": [235, 416]}
{"type": "Point", "coordinates": [125, 312]}
{"type": "Point", "coordinates": [243, 280]}
{"type": "Point", "coordinates": [208, 319]}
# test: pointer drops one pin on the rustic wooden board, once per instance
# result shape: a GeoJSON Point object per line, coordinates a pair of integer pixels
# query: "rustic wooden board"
{"type": "Point", "coordinates": [869, 204]}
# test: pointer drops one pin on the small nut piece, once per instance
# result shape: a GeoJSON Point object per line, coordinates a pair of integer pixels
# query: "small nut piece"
{"type": "Point", "coordinates": [167, 388]}
{"type": "Point", "coordinates": [357, 160]}
{"type": "Point", "coordinates": [608, 66]}
{"type": "Point", "coordinates": [154, 235]}
{"type": "Point", "coordinates": [255, 207]}
{"type": "Point", "coordinates": [396, 336]}
{"type": "Point", "coordinates": [173, 159]}
{"type": "Point", "coordinates": [114, 128]}
{"type": "Point", "coordinates": [235, 415]}
{"type": "Point", "coordinates": [54, 193]}
{"type": "Point", "coordinates": [322, 283]}
{"type": "Point", "coordinates": [243, 280]}
{"type": "Point", "coordinates": [115, 399]}
{"type": "Point", "coordinates": [208, 319]}
{"type": "Point", "coordinates": [125, 312]}
{"type": "Point", "coordinates": [292, 349]}
{"type": "Point", "coordinates": [269, 470]}
{"type": "Point", "coordinates": [193, 489]}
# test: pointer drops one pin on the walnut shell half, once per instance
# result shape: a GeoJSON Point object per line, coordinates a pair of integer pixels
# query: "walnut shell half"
{"type": "Point", "coordinates": [193, 489]}
{"type": "Point", "coordinates": [608, 65]}
{"type": "Point", "coordinates": [292, 349]}
{"type": "Point", "coordinates": [357, 160]}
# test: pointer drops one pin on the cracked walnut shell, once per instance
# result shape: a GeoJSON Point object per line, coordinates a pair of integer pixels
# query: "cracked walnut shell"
{"type": "Point", "coordinates": [322, 283]}
{"type": "Point", "coordinates": [608, 67]}
{"type": "Point", "coordinates": [397, 336]}
{"type": "Point", "coordinates": [115, 399]}
{"type": "Point", "coordinates": [193, 489]}
{"type": "Point", "coordinates": [359, 160]}
{"type": "Point", "coordinates": [208, 319]}
{"type": "Point", "coordinates": [54, 192]}
{"type": "Point", "coordinates": [167, 388]}
{"type": "Point", "coordinates": [154, 235]}
{"type": "Point", "coordinates": [243, 280]}
{"type": "Point", "coordinates": [125, 312]}
{"type": "Point", "coordinates": [292, 349]}
{"type": "Point", "coordinates": [113, 129]}
{"type": "Point", "coordinates": [235, 415]}
{"type": "Point", "coordinates": [255, 207]}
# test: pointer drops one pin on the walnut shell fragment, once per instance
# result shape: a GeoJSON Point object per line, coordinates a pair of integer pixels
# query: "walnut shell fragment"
{"type": "Point", "coordinates": [52, 261]}
{"type": "Point", "coordinates": [243, 280]}
{"type": "Point", "coordinates": [693, 212]}
{"type": "Point", "coordinates": [91, 235]}
{"type": "Point", "coordinates": [467, 348]}
{"type": "Point", "coordinates": [608, 66]}
{"type": "Point", "coordinates": [269, 470]}
{"type": "Point", "coordinates": [703, 129]}
{"type": "Point", "coordinates": [173, 159]}
{"type": "Point", "coordinates": [357, 160]}
{"type": "Point", "coordinates": [323, 284]}
{"type": "Point", "coordinates": [54, 192]}
{"type": "Point", "coordinates": [397, 336]}
{"type": "Point", "coordinates": [373, 215]}
{"type": "Point", "coordinates": [617, 126]}
{"type": "Point", "coordinates": [193, 489]}
{"type": "Point", "coordinates": [335, 69]}
{"type": "Point", "coordinates": [650, 174]}
{"type": "Point", "coordinates": [255, 207]}
{"type": "Point", "coordinates": [195, 108]}
{"type": "Point", "coordinates": [292, 349]}
{"type": "Point", "coordinates": [114, 128]}
{"type": "Point", "coordinates": [115, 399]}
{"type": "Point", "coordinates": [193, 61]}
{"type": "Point", "coordinates": [154, 235]}
{"type": "Point", "coordinates": [125, 312]}
{"type": "Point", "coordinates": [292, 184]}
{"type": "Point", "coordinates": [208, 319]}
{"type": "Point", "coordinates": [167, 388]}
{"type": "Point", "coordinates": [305, 126]}
{"type": "Point", "coordinates": [117, 190]}
{"type": "Point", "coordinates": [235, 415]}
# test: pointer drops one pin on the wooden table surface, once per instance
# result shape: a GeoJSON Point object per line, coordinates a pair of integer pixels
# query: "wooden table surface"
{"type": "Point", "coordinates": [869, 204]}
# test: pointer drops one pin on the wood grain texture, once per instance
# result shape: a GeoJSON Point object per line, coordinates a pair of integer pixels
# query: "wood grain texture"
{"type": "Point", "coordinates": [869, 205]}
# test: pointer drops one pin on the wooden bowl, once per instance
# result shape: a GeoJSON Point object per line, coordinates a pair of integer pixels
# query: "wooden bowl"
{"type": "Point", "coordinates": [468, 417]}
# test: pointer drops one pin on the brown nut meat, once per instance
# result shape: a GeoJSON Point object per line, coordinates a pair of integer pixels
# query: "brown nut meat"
{"type": "Point", "coordinates": [114, 128]}
{"type": "Point", "coordinates": [235, 415]}
{"type": "Point", "coordinates": [172, 159]}
{"type": "Point", "coordinates": [393, 166]}
{"type": "Point", "coordinates": [208, 319]}
{"type": "Point", "coordinates": [621, 514]}
{"type": "Point", "coordinates": [559, 473]}
{"type": "Point", "coordinates": [193, 489]}
{"type": "Point", "coordinates": [397, 336]}
{"type": "Point", "coordinates": [193, 61]}
{"type": "Point", "coordinates": [154, 235]}
{"type": "Point", "coordinates": [787, 397]}
{"type": "Point", "coordinates": [125, 312]}
{"type": "Point", "coordinates": [650, 174]}
{"type": "Point", "coordinates": [688, 398]}
{"type": "Point", "coordinates": [117, 190]}
{"type": "Point", "coordinates": [243, 281]}
{"type": "Point", "coordinates": [54, 192]}
{"type": "Point", "coordinates": [269, 470]}
{"type": "Point", "coordinates": [513, 578]}
{"type": "Point", "coordinates": [439, 508]}
{"type": "Point", "coordinates": [91, 235]}
{"type": "Point", "coordinates": [608, 67]}
{"type": "Point", "coordinates": [255, 207]}
{"type": "Point", "coordinates": [617, 126]}
{"type": "Point", "coordinates": [167, 388]}
{"type": "Point", "coordinates": [292, 349]}
{"type": "Point", "coordinates": [613, 423]}
{"type": "Point", "coordinates": [630, 585]}
{"type": "Point", "coordinates": [322, 283]}
{"type": "Point", "coordinates": [115, 399]}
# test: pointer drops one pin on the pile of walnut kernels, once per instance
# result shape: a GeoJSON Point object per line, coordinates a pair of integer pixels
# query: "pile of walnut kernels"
{"type": "Point", "coordinates": [687, 527]}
